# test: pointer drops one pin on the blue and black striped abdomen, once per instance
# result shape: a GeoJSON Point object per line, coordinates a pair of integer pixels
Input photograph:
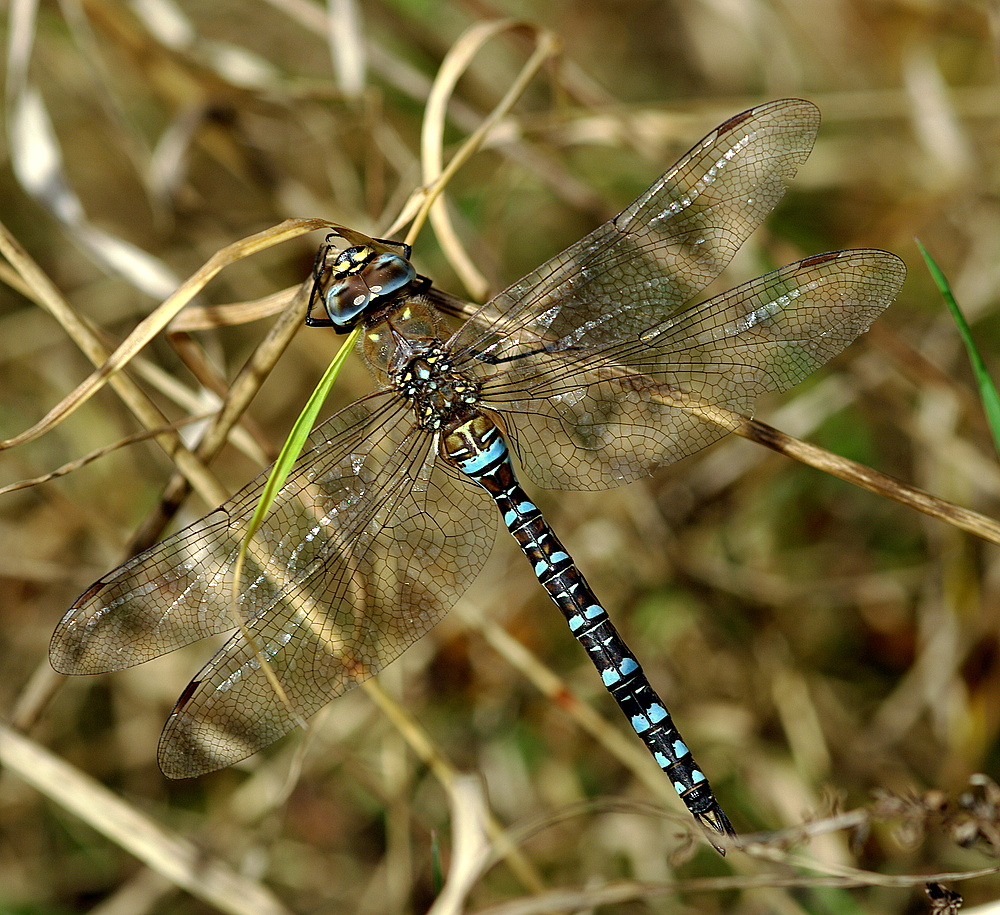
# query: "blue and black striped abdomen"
{"type": "Point", "coordinates": [475, 445]}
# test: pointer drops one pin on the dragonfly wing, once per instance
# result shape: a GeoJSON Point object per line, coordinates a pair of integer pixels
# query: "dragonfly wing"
{"type": "Point", "coordinates": [599, 418]}
{"type": "Point", "coordinates": [382, 576]}
{"type": "Point", "coordinates": [659, 252]}
{"type": "Point", "coordinates": [180, 590]}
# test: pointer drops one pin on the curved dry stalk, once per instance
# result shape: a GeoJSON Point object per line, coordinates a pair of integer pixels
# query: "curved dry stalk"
{"type": "Point", "coordinates": [76, 464]}
{"type": "Point", "coordinates": [248, 381]}
{"type": "Point", "coordinates": [471, 852]}
{"type": "Point", "coordinates": [209, 317]}
{"type": "Point", "coordinates": [624, 891]}
{"type": "Point", "coordinates": [843, 468]}
{"type": "Point", "coordinates": [45, 294]}
{"type": "Point", "coordinates": [148, 328]}
{"type": "Point", "coordinates": [881, 484]}
{"type": "Point", "coordinates": [435, 174]}
{"type": "Point", "coordinates": [180, 860]}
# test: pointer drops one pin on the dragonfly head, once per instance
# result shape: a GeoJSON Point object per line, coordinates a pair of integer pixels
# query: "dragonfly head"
{"type": "Point", "coordinates": [362, 277]}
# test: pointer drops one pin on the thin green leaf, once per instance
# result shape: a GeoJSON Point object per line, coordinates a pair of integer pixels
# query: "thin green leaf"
{"type": "Point", "coordinates": [292, 448]}
{"type": "Point", "coordinates": [987, 389]}
{"type": "Point", "coordinates": [289, 454]}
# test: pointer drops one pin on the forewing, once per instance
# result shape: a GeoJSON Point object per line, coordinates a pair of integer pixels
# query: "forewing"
{"type": "Point", "coordinates": [598, 418]}
{"type": "Point", "coordinates": [658, 253]}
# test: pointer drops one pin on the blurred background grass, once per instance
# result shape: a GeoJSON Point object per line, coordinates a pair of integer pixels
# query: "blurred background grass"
{"type": "Point", "coordinates": [817, 645]}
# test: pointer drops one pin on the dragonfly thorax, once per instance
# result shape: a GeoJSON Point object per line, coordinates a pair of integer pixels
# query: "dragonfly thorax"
{"type": "Point", "coordinates": [436, 392]}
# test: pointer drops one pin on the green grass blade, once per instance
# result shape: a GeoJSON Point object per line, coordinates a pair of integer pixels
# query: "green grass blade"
{"type": "Point", "coordinates": [987, 389]}
{"type": "Point", "coordinates": [289, 454]}
{"type": "Point", "coordinates": [292, 448]}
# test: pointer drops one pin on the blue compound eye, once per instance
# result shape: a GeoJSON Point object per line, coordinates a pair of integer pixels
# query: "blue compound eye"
{"type": "Point", "coordinates": [364, 279]}
{"type": "Point", "coordinates": [388, 273]}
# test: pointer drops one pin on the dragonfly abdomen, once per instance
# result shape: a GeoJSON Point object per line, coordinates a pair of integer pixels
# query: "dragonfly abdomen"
{"type": "Point", "coordinates": [476, 446]}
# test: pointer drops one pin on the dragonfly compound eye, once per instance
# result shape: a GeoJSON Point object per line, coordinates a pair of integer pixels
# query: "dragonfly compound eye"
{"type": "Point", "coordinates": [364, 278]}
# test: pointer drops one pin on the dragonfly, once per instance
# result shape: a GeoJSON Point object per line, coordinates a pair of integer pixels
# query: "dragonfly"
{"type": "Point", "coordinates": [592, 371]}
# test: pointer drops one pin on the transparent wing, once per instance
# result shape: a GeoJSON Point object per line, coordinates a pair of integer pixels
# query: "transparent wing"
{"type": "Point", "coordinates": [368, 545]}
{"type": "Point", "coordinates": [652, 258]}
{"type": "Point", "coordinates": [178, 591]}
{"type": "Point", "coordinates": [595, 418]}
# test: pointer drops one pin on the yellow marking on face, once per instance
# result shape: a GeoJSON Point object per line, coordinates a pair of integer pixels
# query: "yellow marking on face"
{"type": "Point", "coordinates": [353, 259]}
